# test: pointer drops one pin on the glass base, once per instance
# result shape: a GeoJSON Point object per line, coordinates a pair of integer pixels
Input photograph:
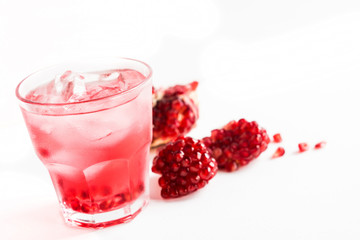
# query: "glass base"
{"type": "Point", "coordinates": [106, 219]}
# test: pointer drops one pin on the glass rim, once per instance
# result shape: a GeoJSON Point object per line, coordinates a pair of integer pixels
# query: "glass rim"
{"type": "Point", "coordinates": [24, 100]}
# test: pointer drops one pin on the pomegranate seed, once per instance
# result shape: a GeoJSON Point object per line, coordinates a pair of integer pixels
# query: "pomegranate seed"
{"type": "Point", "coordinates": [206, 173]}
{"type": "Point", "coordinates": [280, 151]}
{"type": "Point", "coordinates": [106, 204]}
{"type": "Point", "coordinates": [277, 138]}
{"type": "Point", "coordinates": [75, 204]}
{"type": "Point", "coordinates": [119, 199]}
{"type": "Point", "coordinates": [84, 195]}
{"type": "Point", "coordinates": [183, 191]}
{"type": "Point", "coordinates": [85, 208]}
{"type": "Point", "coordinates": [162, 182]}
{"type": "Point", "coordinates": [303, 147]}
{"type": "Point", "coordinates": [191, 188]}
{"type": "Point", "coordinates": [320, 145]}
{"type": "Point", "coordinates": [43, 152]}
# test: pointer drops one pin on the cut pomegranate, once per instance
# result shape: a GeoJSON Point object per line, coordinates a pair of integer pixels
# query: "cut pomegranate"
{"type": "Point", "coordinates": [185, 166]}
{"type": "Point", "coordinates": [320, 145]}
{"type": "Point", "coordinates": [280, 151]}
{"type": "Point", "coordinates": [237, 144]}
{"type": "Point", "coordinates": [303, 147]}
{"type": "Point", "coordinates": [175, 112]}
{"type": "Point", "coordinates": [277, 138]}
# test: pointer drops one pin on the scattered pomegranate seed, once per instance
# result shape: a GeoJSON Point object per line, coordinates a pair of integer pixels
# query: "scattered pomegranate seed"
{"type": "Point", "coordinates": [320, 145]}
{"type": "Point", "coordinates": [277, 138]}
{"type": "Point", "coordinates": [236, 144]}
{"type": "Point", "coordinates": [303, 147]}
{"type": "Point", "coordinates": [185, 166]}
{"type": "Point", "coordinates": [175, 112]}
{"type": "Point", "coordinates": [280, 151]}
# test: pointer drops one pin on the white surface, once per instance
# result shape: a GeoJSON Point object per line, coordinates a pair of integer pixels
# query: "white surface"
{"type": "Point", "coordinates": [293, 66]}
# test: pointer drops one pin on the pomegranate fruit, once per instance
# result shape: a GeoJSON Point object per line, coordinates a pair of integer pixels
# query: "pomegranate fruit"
{"type": "Point", "coordinates": [185, 166]}
{"type": "Point", "coordinates": [236, 144]}
{"type": "Point", "coordinates": [175, 112]}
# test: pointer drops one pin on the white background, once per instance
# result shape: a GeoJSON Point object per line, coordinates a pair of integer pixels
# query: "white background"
{"type": "Point", "coordinates": [293, 66]}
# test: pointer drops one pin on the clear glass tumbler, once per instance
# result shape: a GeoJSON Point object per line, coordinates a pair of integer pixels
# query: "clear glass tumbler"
{"type": "Point", "coordinates": [96, 150]}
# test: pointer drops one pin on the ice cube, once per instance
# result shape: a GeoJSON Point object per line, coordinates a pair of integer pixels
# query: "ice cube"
{"type": "Point", "coordinates": [75, 87]}
{"type": "Point", "coordinates": [114, 79]}
{"type": "Point", "coordinates": [71, 86]}
{"type": "Point", "coordinates": [130, 78]}
{"type": "Point", "coordinates": [109, 76]}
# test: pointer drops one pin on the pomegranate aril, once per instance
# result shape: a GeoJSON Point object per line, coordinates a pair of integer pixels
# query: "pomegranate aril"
{"type": "Point", "coordinates": [191, 188]}
{"type": "Point", "coordinates": [205, 173]}
{"type": "Point", "coordinates": [43, 152]}
{"type": "Point", "coordinates": [75, 204]}
{"type": "Point", "coordinates": [201, 184]}
{"type": "Point", "coordinates": [183, 191]}
{"type": "Point", "coordinates": [173, 176]}
{"type": "Point", "coordinates": [280, 151]}
{"type": "Point", "coordinates": [231, 166]}
{"type": "Point", "coordinates": [194, 178]}
{"type": "Point", "coordinates": [303, 147]}
{"type": "Point", "coordinates": [183, 172]}
{"type": "Point", "coordinates": [119, 199]}
{"type": "Point", "coordinates": [85, 208]}
{"type": "Point", "coordinates": [174, 193]}
{"type": "Point", "coordinates": [106, 204]}
{"type": "Point", "coordinates": [185, 162]}
{"type": "Point", "coordinates": [277, 138]}
{"type": "Point", "coordinates": [195, 167]}
{"type": "Point", "coordinates": [175, 167]}
{"type": "Point", "coordinates": [165, 192]}
{"type": "Point", "coordinates": [162, 182]}
{"type": "Point", "coordinates": [320, 145]}
{"type": "Point", "coordinates": [84, 195]}
{"type": "Point", "coordinates": [179, 156]}
{"type": "Point", "coordinates": [181, 181]}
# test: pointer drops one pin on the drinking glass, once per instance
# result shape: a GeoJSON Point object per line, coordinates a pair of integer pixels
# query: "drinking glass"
{"type": "Point", "coordinates": [97, 150]}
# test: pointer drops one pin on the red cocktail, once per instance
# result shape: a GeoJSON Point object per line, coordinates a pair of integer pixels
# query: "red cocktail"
{"type": "Point", "coordinates": [91, 127]}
